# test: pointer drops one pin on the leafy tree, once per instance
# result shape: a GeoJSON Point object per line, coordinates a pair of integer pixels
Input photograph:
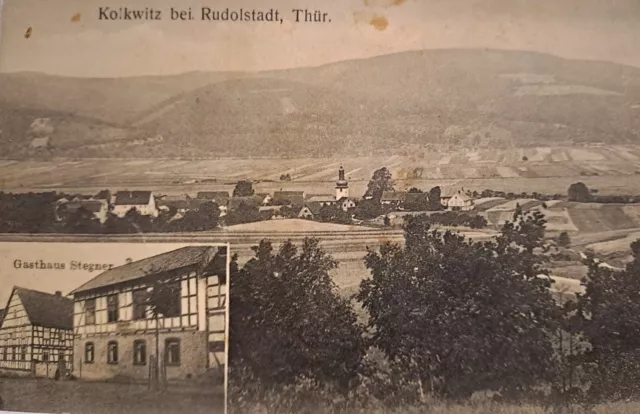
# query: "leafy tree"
{"type": "Point", "coordinates": [368, 209]}
{"type": "Point", "coordinates": [461, 316]}
{"type": "Point", "coordinates": [288, 321]}
{"type": "Point", "coordinates": [610, 313]}
{"type": "Point", "coordinates": [163, 300]}
{"type": "Point", "coordinates": [204, 217]}
{"type": "Point", "coordinates": [243, 189]}
{"type": "Point", "coordinates": [380, 181]}
{"type": "Point", "coordinates": [414, 190]}
{"type": "Point", "coordinates": [82, 221]}
{"type": "Point", "coordinates": [564, 240]}
{"type": "Point", "coordinates": [434, 199]}
{"type": "Point", "coordinates": [579, 192]}
{"type": "Point", "coordinates": [334, 214]}
{"type": "Point", "coordinates": [245, 213]}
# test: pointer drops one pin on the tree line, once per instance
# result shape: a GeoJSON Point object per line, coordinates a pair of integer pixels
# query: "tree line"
{"type": "Point", "coordinates": [440, 316]}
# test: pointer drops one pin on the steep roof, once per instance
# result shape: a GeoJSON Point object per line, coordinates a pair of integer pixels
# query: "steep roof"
{"type": "Point", "coordinates": [164, 262]}
{"type": "Point", "coordinates": [45, 309]}
{"type": "Point", "coordinates": [220, 197]}
{"type": "Point", "coordinates": [94, 206]}
{"type": "Point", "coordinates": [128, 198]}
{"type": "Point", "coordinates": [321, 198]}
{"type": "Point", "coordinates": [1, 315]}
{"type": "Point", "coordinates": [288, 197]}
{"type": "Point", "coordinates": [252, 201]}
{"type": "Point", "coordinates": [393, 196]}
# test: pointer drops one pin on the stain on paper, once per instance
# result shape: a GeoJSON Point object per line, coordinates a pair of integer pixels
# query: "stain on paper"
{"type": "Point", "coordinates": [27, 34]}
{"type": "Point", "coordinates": [75, 18]}
{"type": "Point", "coordinates": [379, 22]}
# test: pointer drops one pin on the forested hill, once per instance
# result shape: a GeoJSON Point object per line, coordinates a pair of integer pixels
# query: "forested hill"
{"type": "Point", "coordinates": [471, 98]}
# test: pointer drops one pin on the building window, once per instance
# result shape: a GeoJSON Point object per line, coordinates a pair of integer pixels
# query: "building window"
{"type": "Point", "coordinates": [4, 354]}
{"type": "Point", "coordinates": [112, 308]}
{"type": "Point", "coordinates": [61, 335]}
{"type": "Point", "coordinates": [139, 304]}
{"type": "Point", "coordinates": [23, 353]}
{"type": "Point", "coordinates": [139, 352]}
{"type": "Point", "coordinates": [90, 311]}
{"type": "Point", "coordinates": [89, 352]}
{"type": "Point", "coordinates": [45, 356]}
{"type": "Point", "coordinates": [172, 351]}
{"type": "Point", "coordinates": [112, 352]}
{"type": "Point", "coordinates": [14, 353]}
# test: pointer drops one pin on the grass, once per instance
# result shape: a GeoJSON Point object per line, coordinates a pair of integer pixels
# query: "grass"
{"type": "Point", "coordinates": [49, 396]}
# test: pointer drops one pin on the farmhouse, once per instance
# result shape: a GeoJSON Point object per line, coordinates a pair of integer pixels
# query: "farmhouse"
{"type": "Point", "coordinates": [393, 199]}
{"type": "Point", "coordinates": [117, 316]}
{"type": "Point", "coordinates": [143, 201]}
{"type": "Point", "coordinates": [346, 204]}
{"type": "Point", "coordinates": [36, 334]}
{"type": "Point", "coordinates": [457, 202]}
{"type": "Point", "coordinates": [288, 198]}
{"type": "Point", "coordinates": [248, 201]}
{"type": "Point", "coordinates": [221, 198]}
{"type": "Point", "coordinates": [323, 199]}
{"type": "Point", "coordinates": [310, 211]}
{"type": "Point", "coordinates": [99, 208]}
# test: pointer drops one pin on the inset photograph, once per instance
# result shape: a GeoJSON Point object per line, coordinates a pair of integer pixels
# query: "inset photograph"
{"type": "Point", "coordinates": [113, 327]}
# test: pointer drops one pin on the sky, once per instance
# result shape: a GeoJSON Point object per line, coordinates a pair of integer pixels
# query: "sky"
{"type": "Point", "coordinates": [66, 37]}
{"type": "Point", "coordinates": [14, 254]}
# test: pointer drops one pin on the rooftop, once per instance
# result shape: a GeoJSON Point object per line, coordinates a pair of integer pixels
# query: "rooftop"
{"type": "Point", "coordinates": [165, 262]}
{"type": "Point", "coordinates": [46, 309]}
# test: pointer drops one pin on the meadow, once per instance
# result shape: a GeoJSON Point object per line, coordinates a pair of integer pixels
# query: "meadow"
{"type": "Point", "coordinates": [613, 170]}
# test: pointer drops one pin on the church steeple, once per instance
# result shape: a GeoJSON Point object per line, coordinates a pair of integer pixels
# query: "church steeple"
{"type": "Point", "coordinates": [342, 186]}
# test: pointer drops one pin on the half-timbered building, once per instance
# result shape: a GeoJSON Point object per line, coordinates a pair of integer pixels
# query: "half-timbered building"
{"type": "Point", "coordinates": [36, 333]}
{"type": "Point", "coordinates": [163, 314]}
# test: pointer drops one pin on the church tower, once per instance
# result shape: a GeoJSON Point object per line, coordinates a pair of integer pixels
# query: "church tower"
{"type": "Point", "coordinates": [342, 186]}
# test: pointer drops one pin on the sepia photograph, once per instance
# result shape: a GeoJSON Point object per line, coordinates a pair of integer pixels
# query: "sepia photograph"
{"type": "Point", "coordinates": [113, 327]}
{"type": "Point", "coordinates": [430, 206]}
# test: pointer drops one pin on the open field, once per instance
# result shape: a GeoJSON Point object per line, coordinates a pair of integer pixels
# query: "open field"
{"type": "Point", "coordinates": [611, 169]}
{"type": "Point", "coordinates": [48, 396]}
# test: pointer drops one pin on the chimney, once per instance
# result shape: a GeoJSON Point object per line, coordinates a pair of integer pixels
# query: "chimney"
{"type": "Point", "coordinates": [58, 293]}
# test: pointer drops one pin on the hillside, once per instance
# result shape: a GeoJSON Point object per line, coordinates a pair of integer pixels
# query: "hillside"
{"type": "Point", "coordinates": [383, 105]}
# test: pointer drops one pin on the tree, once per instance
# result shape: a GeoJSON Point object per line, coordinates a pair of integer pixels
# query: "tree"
{"type": "Point", "coordinates": [380, 181]}
{"type": "Point", "coordinates": [610, 315]}
{"type": "Point", "coordinates": [460, 316]}
{"type": "Point", "coordinates": [243, 189]}
{"type": "Point", "coordinates": [434, 199]}
{"type": "Point", "coordinates": [415, 190]}
{"type": "Point", "coordinates": [244, 213]}
{"type": "Point", "coordinates": [579, 192]}
{"type": "Point", "coordinates": [368, 209]}
{"type": "Point", "coordinates": [203, 218]}
{"type": "Point", "coordinates": [162, 300]}
{"type": "Point", "coordinates": [334, 214]}
{"type": "Point", "coordinates": [564, 240]}
{"type": "Point", "coordinates": [82, 221]}
{"type": "Point", "coordinates": [289, 322]}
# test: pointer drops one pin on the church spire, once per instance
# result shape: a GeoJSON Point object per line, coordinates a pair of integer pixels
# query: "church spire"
{"type": "Point", "coordinates": [342, 186]}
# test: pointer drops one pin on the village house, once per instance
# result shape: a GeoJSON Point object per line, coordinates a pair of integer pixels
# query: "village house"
{"type": "Point", "coordinates": [143, 201]}
{"type": "Point", "coordinates": [221, 198]}
{"type": "Point", "coordinates": [248, 201]}
{"type": "Point", "coordinates": [459, 201]}
{"type": "Point", "coordinates": [310, 211]}
{"type": "Point", "coordinates": [273, 212]}
{"type": "Point", "coordinates": [266, 198]}
{"type": "Point", "coordinates": [393, 199]}
{"type": "Point", "coordinates": [115, 323]}
{"type": "Point", "coordinates": [36, 334]}
{"type": "Point", "coordinates": [322, 199]}
{"type": "Point", "coordinates": [345, 204]}
{"type": "Point", "coordinates": [288, 198]}
{"type": "Point", "coordinates": [99, 208]}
